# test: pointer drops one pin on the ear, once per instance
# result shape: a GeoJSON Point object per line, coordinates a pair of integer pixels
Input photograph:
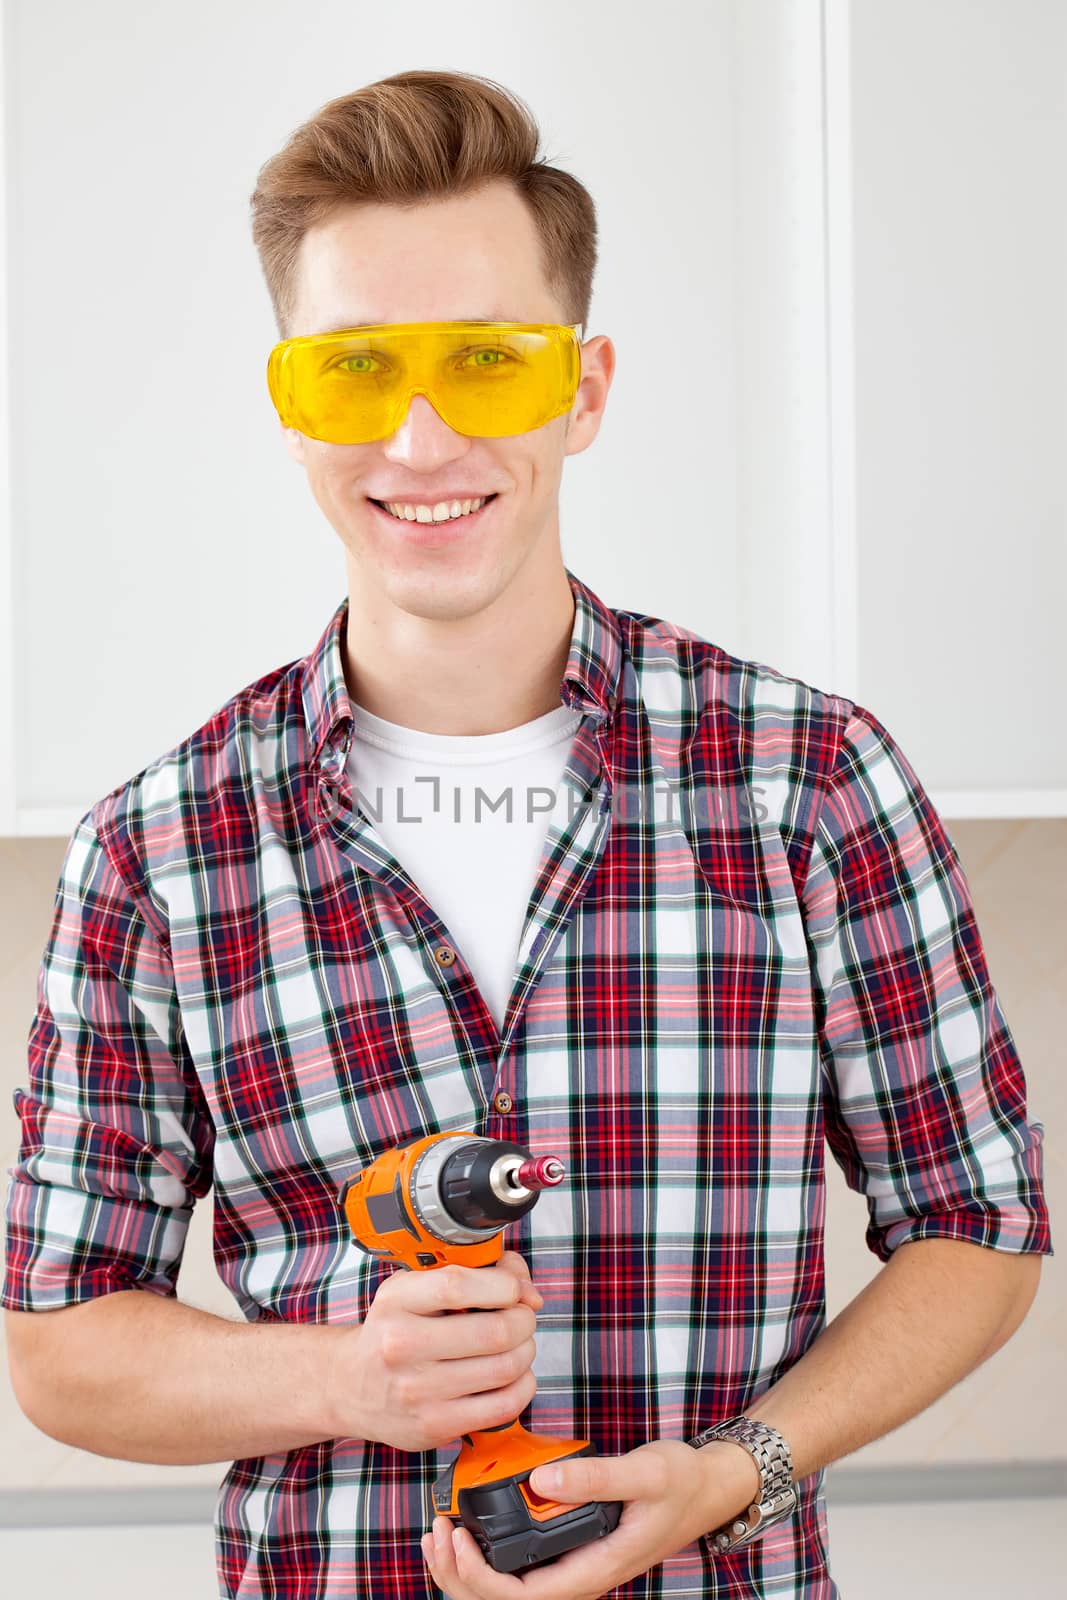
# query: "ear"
{"type": "Point", "coordinates": [587, 412]}
{"type": "Point", "coordinates": [294, 442]}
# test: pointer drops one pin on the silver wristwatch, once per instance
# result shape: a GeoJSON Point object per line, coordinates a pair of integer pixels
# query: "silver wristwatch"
{"type": "Point", "coordinates": [777, 1498]}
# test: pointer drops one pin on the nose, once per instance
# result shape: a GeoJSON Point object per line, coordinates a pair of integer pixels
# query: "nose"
{"type": "Point", "coordinates": [422, 414]}
{"type": "Point", "coordinates": [424, 439]}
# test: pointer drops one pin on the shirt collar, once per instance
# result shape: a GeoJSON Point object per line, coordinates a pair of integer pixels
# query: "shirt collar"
{"type": "Point", "coordinates": [590, 681]}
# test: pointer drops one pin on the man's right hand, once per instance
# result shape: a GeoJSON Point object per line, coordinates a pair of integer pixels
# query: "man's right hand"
{"type": "Point", "coordinates": [414, 1376]}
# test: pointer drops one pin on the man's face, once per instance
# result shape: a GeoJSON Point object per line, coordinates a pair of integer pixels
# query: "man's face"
{"type": "Point", "coordinates": [470, 257]}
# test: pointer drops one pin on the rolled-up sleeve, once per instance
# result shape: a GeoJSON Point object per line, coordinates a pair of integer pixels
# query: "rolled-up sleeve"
{"type": "Point", "coordinates": [116, 1142]}
{"type": "Point", "coordinates": [923, 1092]}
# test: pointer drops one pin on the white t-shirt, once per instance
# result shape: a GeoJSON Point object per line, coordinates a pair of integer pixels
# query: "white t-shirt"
{"type": "Point", "coordinates": [466, 816]}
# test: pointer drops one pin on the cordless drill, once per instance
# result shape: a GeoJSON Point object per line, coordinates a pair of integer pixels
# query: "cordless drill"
{"type": "Point", "coordinates": [448, 1197]}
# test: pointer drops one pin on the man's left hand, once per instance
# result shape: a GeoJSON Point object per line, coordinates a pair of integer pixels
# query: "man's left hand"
{"type": "Point", "coordinates": [671, 1495]}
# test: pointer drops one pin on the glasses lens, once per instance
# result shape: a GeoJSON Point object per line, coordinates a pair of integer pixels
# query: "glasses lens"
{"type": "Point", "coordinates": [484, 380]}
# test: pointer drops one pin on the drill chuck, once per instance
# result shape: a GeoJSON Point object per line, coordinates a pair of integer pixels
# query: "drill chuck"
{"type": "Point", "coordinates": [487, 1183]}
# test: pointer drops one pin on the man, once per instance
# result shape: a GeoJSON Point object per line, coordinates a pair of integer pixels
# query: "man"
{"type": "Point", "coordinates": [738, 927]}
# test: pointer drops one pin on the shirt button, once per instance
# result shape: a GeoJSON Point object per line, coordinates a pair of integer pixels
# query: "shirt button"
{"type": "Point", "coordinates": [444, 955]}
{"type": "Point", "coordinates": [503, 1102]}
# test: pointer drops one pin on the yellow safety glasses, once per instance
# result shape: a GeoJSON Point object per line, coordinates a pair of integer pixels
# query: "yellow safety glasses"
{"type": "Point", "coordinates": [487, 379]}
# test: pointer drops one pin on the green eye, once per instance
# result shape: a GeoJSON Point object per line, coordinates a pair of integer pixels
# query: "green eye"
{"type": "Point", "coordinates": [343, 364]}
{"type": "Point", "coordinates": [497, 358]}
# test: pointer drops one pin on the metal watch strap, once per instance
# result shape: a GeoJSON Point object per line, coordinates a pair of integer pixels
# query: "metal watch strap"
{"type": "Point", "coordinates": [777, 1497]}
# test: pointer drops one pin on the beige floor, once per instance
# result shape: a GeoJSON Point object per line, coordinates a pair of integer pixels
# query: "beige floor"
{"type": "Point", "coordinates": [950, 1551]}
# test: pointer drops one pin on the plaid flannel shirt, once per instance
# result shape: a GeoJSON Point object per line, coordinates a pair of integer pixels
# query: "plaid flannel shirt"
{"type": "Point", "coordinates": [749, 936]}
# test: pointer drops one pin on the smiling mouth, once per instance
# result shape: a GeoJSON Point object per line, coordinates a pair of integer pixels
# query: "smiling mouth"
{"type": "Point", "coordinates": [431, 522]}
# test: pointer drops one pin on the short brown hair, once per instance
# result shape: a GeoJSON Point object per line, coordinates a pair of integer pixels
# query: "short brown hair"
{"type": "Point", "coordinates": [418, 136]}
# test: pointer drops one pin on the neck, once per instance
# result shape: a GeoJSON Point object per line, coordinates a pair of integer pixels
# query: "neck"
{"type": "Point", "coordinates": [485, 672]}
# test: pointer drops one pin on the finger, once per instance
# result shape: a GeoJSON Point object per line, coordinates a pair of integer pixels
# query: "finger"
{"type": "Point", "coordinates": [465, 1575]}
{"type": "Point", "coordinates": [475, 1573]}
{"type": "Point", "coordinates": [437, 1548]}
{"type": "Point", "coordinates": [565, 1481]}
{"type": "Point", "coordinates": [578, 1479]}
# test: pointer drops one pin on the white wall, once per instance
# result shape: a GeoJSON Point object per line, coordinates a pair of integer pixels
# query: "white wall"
{"type": "Point", "coordinates": [960, 156]}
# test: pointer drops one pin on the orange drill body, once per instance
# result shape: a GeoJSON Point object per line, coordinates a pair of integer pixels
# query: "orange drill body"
{"type": "Point", "coordinates": [409, 1242]}
{"type": "Point", "coordinates": [447, 1198]}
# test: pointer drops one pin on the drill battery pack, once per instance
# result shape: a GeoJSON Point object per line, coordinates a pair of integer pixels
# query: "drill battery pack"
{"type": "Point", "coordinates": [516, 1528]}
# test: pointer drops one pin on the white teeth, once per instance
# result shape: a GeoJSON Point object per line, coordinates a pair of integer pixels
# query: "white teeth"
{"type": "Point", "coordinates": [443, 511]}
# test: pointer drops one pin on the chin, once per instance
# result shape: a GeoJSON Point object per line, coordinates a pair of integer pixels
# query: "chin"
{"type": "Point", "coordinates": [442, 591]}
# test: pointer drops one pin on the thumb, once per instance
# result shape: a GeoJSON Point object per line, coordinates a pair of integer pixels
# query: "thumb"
{"type": "Point", "coordinates": [586, 1478]}
{"type": "Point", "coordinates": [529, 1293]}
{"type": "Point", "coordinates": [515, 1263]}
